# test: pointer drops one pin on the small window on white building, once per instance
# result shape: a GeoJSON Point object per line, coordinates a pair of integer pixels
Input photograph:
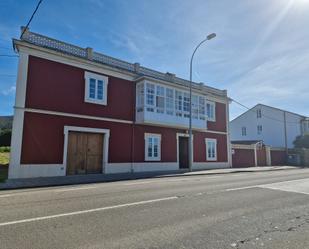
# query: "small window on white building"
{"type": "Point", "coordinates": [259, 129]}
{"type": "Point", "coordinates": [152, 147]}
{"type": "Point", "coordinates": [211, 111]}
{"type": "Point", "coordinates": [96, 88]}
{"type": "Point", "coordinates": [211, 149]}
{"type": "Point", "coordinates": [244, 131]}
{"type": "Point", "coordinates": [259, 113]}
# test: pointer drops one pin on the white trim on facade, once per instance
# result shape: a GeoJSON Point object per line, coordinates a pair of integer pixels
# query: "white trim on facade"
{"type": "Point", "coordinates": [65, 114]}
{"type": "Point", "coordinates": [114, 168]}
{"type": "Point", "coordinates": [210, 165]}
{"type": "Point", "coordinates": [96, 77]}
{"type": "Point", "coordinates": [74, 61]}
{"type": "Point", "coordinates": [106, 133]}
{"type": "Point", "coordinates": [18, 121]}
{"type": "Point", "coordinates": [146, 137]}
{"type": "Point", "coordinates": [211, 140]}
{"type": "Point", "coordinates": [177, 144]}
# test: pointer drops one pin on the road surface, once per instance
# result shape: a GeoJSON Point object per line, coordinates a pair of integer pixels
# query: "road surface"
{"type": "Point", "coordinates": [240, 210]}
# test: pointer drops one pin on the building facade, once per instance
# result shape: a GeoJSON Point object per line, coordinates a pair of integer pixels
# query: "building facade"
{"type": "Point", "coordinates": [81, 112]}
{"type": "Point", "coordinates": [273, 126]}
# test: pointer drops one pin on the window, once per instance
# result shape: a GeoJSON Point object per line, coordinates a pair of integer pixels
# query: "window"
{"type": "Point", "coordinates": [211, 112]}
{"type": "Point", "coordinates": [140, 97]}
{"type": "Point", "coordinates": [150, 91]}
{"type": "Point", "coordinates": [202, 109]}
{"type": "Point", "coordinates": [178, 103]}
{"type": "Point", "coordinates": [152, 147]}
{"type": "Point", "coordinates": [160, 99]}
{"type": "Point", "coordinates": [258, 113]}
{"type": "Point", "coordinates": [186, 105]}
{"type": "Point", "coordinates": [96, 88]}
{"type": "Point", "coordinates": [151, 97]}
{"type": "Point", "coordinates": [259, 129]}
{"type": "Point", "coordinates": [243, 131]}
{"type": "Point", "coordinates": [169, 101]}
{"type": "Point", "coordinates": [195, 106]}
{"type": "Point", "coordinates": [211, 149]}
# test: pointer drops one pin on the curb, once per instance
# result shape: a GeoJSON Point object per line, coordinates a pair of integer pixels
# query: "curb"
{"type": "Point", "coordinates": [135, 177]}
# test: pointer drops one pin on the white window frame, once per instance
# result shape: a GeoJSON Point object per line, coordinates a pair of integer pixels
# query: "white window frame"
{"type": "Point", "coordinates": [212, 140]}
{"type": "Point", "coordinates": [212, 119]}
{"type": "Point", "coordinates": [88, 76]}
{"type": "Point", "coordinates": [152, 158]}
{"type": "Point", "coordinates": [244, 131]}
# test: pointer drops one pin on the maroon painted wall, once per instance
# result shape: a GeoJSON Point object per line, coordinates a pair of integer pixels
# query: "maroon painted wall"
{"type": "Point", "coordinates": [43, 140]}
{"type": "Point", "coordinates": [278, 157]}
{"type": "Point", "coordinates": [220, 124]}
{"type": "Point", "coordinates": [58, 87]}
{"type": "Point", "coordinates": [200, 146]}
{"type": "Point", "coordinates": [261, 156]}
{"type": "Point", "coordinates": [243, 158]}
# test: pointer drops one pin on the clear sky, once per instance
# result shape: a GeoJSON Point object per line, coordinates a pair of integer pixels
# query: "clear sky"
{"type": "Point", "coordinates": [260, 54]}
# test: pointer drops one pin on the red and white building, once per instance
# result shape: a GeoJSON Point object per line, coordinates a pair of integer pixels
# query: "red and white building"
{"type": "Point", "coordinates": [80, 112]}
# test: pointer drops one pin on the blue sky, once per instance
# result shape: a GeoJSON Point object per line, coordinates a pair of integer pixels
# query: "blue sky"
{"type": "Point", "coordinates": [260, 54]}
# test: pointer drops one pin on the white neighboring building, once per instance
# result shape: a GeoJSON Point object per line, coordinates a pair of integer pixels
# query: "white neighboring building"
{"type": "Point", "coordinates": [275, 127]}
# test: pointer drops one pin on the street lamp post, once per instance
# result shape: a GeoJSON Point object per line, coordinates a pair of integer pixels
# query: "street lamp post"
{"type": "Point", "coordinates": [209, 37]}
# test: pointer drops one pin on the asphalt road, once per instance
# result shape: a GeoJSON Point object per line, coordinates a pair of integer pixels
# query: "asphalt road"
{"type": "Point", "coordinates": [240, 210]}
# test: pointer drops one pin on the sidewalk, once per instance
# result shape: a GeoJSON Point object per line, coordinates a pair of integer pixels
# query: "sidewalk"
{"type": "Point", "coordinates": [83, 179]}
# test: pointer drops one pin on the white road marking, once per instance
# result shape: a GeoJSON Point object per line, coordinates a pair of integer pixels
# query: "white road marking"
{"type": "Point", "coordinates": [87, 211]}
{"type": "Point", "coordinates": [295, 186]}
{"type": "Point", "coordinates": [241, 188]}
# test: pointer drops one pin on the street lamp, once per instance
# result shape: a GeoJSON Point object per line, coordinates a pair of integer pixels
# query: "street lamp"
{"type": "Point", "coordinates": [209, 37]}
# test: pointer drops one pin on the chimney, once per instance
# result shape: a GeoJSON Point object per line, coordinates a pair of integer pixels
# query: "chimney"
{"type": "Point", "coordinates": [136, 67]}
{"type": "Point", "coordinates": [89, 53]}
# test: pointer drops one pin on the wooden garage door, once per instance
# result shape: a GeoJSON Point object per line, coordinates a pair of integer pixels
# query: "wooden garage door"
{"type": "Point", "coordinates": [85, 153]}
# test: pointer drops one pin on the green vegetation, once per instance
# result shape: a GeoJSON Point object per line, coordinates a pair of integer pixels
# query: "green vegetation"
{"type": "Point", "coordinates": [5, 137]}
{"type": "Point", "coordinates": [6, 122]}
{"type": "Point", "coordinates": [4, 158]}
{"type": "Point", "coordinates": [4, 162]}
{"type": "Point", "coordinates": [302, 142]}
{"type": "Point", "coordinates": [5, 149]}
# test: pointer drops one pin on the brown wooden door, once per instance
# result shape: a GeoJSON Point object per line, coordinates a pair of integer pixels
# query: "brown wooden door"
{"type": "Point", "coordinates": [261, 156]}
{"type": "Point", "coordinates": [85, 153]}
{"type": "Point", "coordinates": [94, 153]}
{"type": "Point", "coordinates": [183, 152]}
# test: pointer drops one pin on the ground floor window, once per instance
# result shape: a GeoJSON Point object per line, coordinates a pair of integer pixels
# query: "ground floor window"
{"type": "Point", "coordinates": [211, 149]}
{"type": "Point", "coordinates": [152, 147]}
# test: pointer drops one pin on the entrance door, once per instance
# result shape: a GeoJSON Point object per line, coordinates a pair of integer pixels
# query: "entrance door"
{"type": "Point", "coordinates": [85, 153]}
{"type": "Point", "coordinates": [183, 148]}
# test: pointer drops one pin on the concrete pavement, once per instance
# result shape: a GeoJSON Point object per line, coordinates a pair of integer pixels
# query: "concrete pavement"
{"type": "Point", "coordinates": [241, 210]}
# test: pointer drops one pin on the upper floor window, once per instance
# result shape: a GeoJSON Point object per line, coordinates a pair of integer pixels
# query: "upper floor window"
{"type": "Point", "coordinates": [259, 129]}
{"type": "Point", "coordinates": [211, 110]}
{"type": "Point", "coordinates": [258, 113]}
{"type": "Point", "coordinates": [96, 88]}
{"type": "Point", "coordinates": [244, 131]}
{"type": "Point", "coordinates": [152, 147]}
{"type": "Point", "coordinates": [211, 149]}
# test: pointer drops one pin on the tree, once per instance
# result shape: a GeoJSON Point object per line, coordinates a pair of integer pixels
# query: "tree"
{"type": "Point", "coordinates": [301, 142]}
{"type": "Point", "coordinates": [5, 137]}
